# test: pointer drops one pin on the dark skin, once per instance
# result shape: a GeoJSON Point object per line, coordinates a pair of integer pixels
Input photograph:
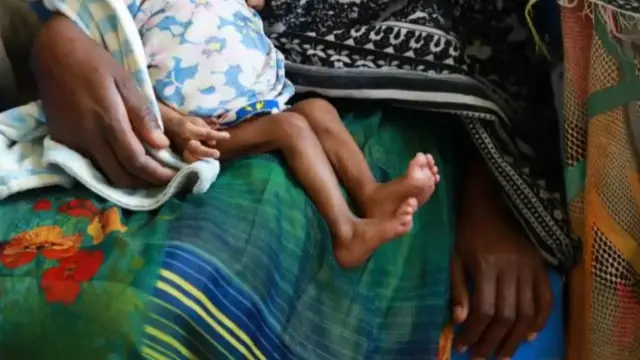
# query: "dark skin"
{"type": "Point", "coordinates": [512, 299]}
{"type": "Point", "coordinates": [95, 96]}
{"type": "Point", "coordinates": [320, 152]}
{"type": "Point", "coordinates": [114, 120]}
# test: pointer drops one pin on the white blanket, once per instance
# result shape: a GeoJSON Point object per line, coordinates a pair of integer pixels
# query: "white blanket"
{"type": "Point", "coordinates": [29, 159]}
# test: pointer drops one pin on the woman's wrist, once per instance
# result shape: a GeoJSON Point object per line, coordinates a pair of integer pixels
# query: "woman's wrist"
{"type": "Point", "coordinates": [57, 31]}
{"type": "Point", "coordinates": [480, 192]}
{"type": "Point", "coordinates": [483, 196]}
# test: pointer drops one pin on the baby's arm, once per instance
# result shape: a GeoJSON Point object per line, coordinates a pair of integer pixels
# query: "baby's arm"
{"type": "Point", "coordinates": [191, 137]}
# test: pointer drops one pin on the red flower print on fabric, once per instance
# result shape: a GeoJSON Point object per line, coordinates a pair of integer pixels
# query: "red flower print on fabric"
{"type": "Point", "coordinates": [79, 208]}
{"type": "Point", "coordinates": [63, 283]}
{"type": "Point", "coordinates": [42, 205]}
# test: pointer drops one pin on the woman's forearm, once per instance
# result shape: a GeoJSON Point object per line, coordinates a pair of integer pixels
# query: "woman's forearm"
{"type": "Point", "coordinates": [482, 195]}
{"type": "Point", "coordinates": [480, 191]}
{"type": "Point", "coordinates": [58, 31]}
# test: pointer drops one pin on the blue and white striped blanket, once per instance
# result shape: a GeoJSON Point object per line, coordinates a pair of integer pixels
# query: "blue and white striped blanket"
{"type": "Point", "coordinates": [30, 159]}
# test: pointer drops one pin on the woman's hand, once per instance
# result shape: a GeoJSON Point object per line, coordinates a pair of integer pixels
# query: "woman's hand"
{"type": "Point", "coordinates": [94, 107]}
{"type": "Point", "coordinates": [511, 297]}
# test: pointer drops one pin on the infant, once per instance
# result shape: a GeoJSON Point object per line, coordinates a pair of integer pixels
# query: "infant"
{"type": "Point", "coordinates": [223, 93]}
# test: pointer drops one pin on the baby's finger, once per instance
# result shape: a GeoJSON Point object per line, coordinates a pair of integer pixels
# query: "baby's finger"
{"type": "Point", "coordinates": [219, 135]}
{"type": "Point", "coordinates": [210, 123]}
{"type": "Point", "coordinates": [196, 148]}
{"type": "Point", "coordinates": [213, 123]}
{"type": "Point", "coordinates": [189, 157]}
{"type": "Point", "coordinates": [198, 132]}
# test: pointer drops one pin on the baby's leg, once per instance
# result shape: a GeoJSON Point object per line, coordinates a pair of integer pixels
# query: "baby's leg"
{"type": "Point", "coordinates": [354, 239]}
{"type": "Point", "coordinates": [349, 163]}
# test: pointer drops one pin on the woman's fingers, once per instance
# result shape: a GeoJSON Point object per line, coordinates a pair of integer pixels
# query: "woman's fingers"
{"type": "Point", "coordinates": [143, 170]}
{"type": "Point", "coordinates": [543, 301]}
{"type": "Point", "coordinates": [127, 147]}
{"type": "Point", "coordinates": [526, 312]}
{"type": "Point", "coordinates": [143, 122]}
{"type": "Point", "coordinates": [483, 303]}
{"type": "Point", "coordinates": [459, 291]}
{"type": "Point", "coordinates": [504, 315]}
{"type": "Point", "coordinates": [113, 169]}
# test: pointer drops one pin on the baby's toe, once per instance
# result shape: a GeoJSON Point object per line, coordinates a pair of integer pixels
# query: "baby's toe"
{"type": "Point", "coordinates": [430, 160]}
{"type": "Point", "coordinates": [408, 207]}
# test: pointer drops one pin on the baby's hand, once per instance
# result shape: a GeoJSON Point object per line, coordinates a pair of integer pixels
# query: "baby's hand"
{"type": "Point", "coordinates": [192, 137]}
{"type": "Point", "coordinates": [197, 139]}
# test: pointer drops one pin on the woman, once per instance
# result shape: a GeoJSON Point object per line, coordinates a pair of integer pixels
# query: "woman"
{"type": "Point", "coordinates": [83, 88]}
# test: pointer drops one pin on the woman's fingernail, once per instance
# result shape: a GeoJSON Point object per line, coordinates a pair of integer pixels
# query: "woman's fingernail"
{"type": "Point", "coordinates": [462, 349]}
{"type": "Point", "coordinates": [460, 313]}
{"type": "Point", "coordinates": [532, 336]}
{"type": "Point", "coordinates": [159, 138]}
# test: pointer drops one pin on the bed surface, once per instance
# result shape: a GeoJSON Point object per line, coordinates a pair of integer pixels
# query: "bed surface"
{"type": "Point", "coordinates": [244, 271]}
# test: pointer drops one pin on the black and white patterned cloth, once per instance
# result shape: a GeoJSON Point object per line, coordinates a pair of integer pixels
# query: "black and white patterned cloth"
{"type": "Point", "coordinates": [473, 59]}
{"type": "Point", "coordinates": [629, 7]}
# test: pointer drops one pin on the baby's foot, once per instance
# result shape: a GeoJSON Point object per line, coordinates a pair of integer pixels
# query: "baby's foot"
{"type": "Point", "coordinates": [419, 182]}
{"type": "Point", "coordinates": [355, 244]}
{"type": "Point", "coordinates": [423, 169]}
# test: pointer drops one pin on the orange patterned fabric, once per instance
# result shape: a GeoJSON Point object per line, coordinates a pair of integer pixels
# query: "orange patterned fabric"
{"type": "Point", "coordinates": [601, 110]}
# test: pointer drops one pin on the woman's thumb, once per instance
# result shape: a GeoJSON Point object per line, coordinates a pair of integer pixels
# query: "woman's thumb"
{"type": "Point", "coordinates": [459, 291]}
{"type": "Point", "coordinates": [143, 120]}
